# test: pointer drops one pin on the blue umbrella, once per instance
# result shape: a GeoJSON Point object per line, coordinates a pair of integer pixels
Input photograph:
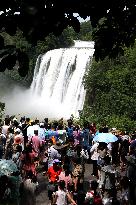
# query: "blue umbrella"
{"type": "Point", "coordinates": [105, 137]}
{"type": "Point", "coordinates": [97, 133]}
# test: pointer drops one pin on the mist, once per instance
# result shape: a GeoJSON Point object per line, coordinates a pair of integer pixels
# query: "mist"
{"type": "Point", "coordinates": [20, 101]}
{"type": "Point", "coordinates": [56, 91]}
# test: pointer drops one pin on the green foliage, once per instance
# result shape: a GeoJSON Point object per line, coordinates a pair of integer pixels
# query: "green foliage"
{"type": "Point", "coordinates": [53, 42]}
{"type": "Point", "coordinates": [50, 42]}
{"type": "Point", "coordinates": [111, 91]}
{"type": "Point", "coordinates": [113, 22]}
{"type": "Point", "coordinates": [85, 33]}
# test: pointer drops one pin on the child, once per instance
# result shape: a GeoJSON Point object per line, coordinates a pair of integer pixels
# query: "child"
{"type": "Point", "coordinates": [61, 196]}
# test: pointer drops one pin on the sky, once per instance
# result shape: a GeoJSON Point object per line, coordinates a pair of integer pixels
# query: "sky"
{"type": "Point", "coordinates": [75, 14]}
{"type": "Point", "coordinates": [81, 19]}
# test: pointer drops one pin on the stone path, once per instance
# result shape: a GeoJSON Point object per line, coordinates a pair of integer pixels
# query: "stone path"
{"type": "Point", "coordinates": [42, 195]}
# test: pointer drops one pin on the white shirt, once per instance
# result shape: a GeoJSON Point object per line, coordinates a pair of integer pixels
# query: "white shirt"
{"type": "Point", "coordinates": [52, 154]}
{"type": "Point", "coordinates": [94, 153]}
{"type": "Point", "coordinates": [109, 146]}
{"type": "Point", "coordinates": [5, 129]}
{"type": "Point", "coordinates": [61, 197]}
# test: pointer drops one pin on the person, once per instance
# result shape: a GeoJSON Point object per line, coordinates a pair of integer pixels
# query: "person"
{"type": "Point", "coordinates": [124, 150]}
{"type": "Point", "coordinates": [109, 175]}
{"type": "Point", "coordinates": [18, 138]}
{"type": "Point", "coordinates": [77, 175]}
{"type": "Point", "coordinates": [61, 196]}
{"type": "Point", "coordinates": [9, 144]}
{"type": "Point", "coordinates": [131, 174]}
{"type": "Point", "coordinates": [29, 189]}
{"type": "Point", "coordinates": [80, 197]}
{"type": "Point", "coordinates": [52, 153]}
{"type": "Point", "coordinates": [16, 156]}
{"type": "Point", "coordinates": [76, 135]}
{"type": "Point", "coordinates": [85, 134]}
{"type": "Point", "coordinates": [5, 126]}
{"type": "Point", "coordinates": [70, 131]}
{"type": "Point", "coordinates": [24, 130]}
{"type": "Point", "coordinates": [2, 142]}
{"type": "Point", "coordinates": [94, 157]}
{"type": "Point", "coordinates": [36, 143]}
{"type": "Point", "coordinates": [71, 149]}
{"type": "Point", "coordinates": [28, 158]}
{"type": "Point", "coordinates": [66, 176]}
{"type": "Point", "coordinates": [45, 162]}
{"type": "Point", "coordinates": [102, 150]}
{"type": "Point", "coordinates": [92, 196]}
{"type": "Point", "coordinates": [124, 191]}
{"type": "Point", "coordinates": [53, 176]}
{"type": "Point", "coordinates": [115, 150]}
{"type": "Point", "coordinates": [93, 128]}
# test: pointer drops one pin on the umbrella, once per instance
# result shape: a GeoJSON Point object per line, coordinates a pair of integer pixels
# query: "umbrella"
{"type": "Point", "coordinates": [105, 137]}
{"type": "Point", "coordinates": [51, 133]}
{"type": "Point", "coordinates": [7, 167]}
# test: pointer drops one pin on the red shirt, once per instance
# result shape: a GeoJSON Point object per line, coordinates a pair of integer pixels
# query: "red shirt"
{"type": "Point", "coordinates": [54, 175]}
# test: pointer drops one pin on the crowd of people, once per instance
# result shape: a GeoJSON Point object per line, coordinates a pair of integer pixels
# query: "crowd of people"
{"type": "Point", "coordinates": [65, 151]}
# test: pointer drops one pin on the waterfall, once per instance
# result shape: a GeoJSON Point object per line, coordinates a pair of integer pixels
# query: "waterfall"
{"type": "Point", "coordinates": [58, 77]}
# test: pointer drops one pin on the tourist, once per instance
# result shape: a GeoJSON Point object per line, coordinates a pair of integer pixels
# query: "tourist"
{"type": "Point", "coordinates": [131, 174]}
{"type": "Point", "coordinates": [36, 143]}
{"type": "Point", "coordinates": [124, 183]}
{"type": "Point", "coordinates": [66, 176]}
{"type": "Point", "coordinates": [61, 196]}
{"type": "Point", "coordinates": [29, 189]}
{"type": "Point", "coordinates": [53, 177]}
{"type": "Point", "coordinates": [94, 158]}
{"type": "Point", "coordinates": [28, 158]}
{"type": "Point", "coordinates": [2, 143]}
{"type": "Point", "coordinates": [92, 196]}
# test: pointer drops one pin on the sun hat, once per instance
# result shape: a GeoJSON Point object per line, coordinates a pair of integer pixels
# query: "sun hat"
{"type": "Point", "coordinates": [56, 161]}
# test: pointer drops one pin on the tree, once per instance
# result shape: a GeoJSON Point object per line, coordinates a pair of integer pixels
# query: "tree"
{"type": "Point", "coordinates": [111, 91]}
{"type": "Point", "coordinates": [113, 24]}
{"type": "Point", "coordinates": [50, 42]}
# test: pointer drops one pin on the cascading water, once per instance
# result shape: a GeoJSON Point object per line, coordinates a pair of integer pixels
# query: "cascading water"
{"type": "Point", "coordinates": [58, 77]}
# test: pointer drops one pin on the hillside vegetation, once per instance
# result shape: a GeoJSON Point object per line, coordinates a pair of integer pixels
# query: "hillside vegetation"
{"type": "Point", "coordinates": [111, 92]}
